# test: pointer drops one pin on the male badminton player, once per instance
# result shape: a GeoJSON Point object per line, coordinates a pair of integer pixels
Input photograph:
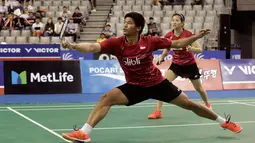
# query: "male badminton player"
{"type": "Point", "coordinates": [144, 80]}
{"type": "Point", "coordinates": [183, 63]}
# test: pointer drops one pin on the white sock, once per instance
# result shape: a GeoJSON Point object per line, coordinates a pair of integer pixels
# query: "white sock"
{"type": "Point", "coordinates": [220, 120]}
{"type": "Point", "coordinates": [86, 128]}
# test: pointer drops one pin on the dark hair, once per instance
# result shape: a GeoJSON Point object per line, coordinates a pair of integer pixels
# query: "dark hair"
{"type": "Point", "coordinates": [107, 25]}
{"type": "Point", "coordinates": [138, 19]}
{"type": "Point", "coordinates": [59, 18]}
{"type": "Point", "coordinates": [181, 16]}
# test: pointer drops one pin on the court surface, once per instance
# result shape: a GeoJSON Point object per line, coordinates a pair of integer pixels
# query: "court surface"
{"type": "Point", "coordinates": [43, 123]}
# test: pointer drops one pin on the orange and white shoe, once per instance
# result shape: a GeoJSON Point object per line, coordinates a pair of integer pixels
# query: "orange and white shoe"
{"type": "Point", "coordinates": [156, 114]}
{"type": "Point", "coordinates": [209, 106]}
{"type": "Point", "coordinates": [232, 126]}
{"type": "Point", "coordinates": [77, 136]}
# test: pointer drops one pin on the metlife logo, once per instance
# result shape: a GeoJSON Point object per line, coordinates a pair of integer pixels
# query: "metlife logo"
{"type": "Point", "coordinates": [40, 77]}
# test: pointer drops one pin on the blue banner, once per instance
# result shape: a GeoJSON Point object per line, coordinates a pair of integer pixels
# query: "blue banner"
{"type": "Point", "coordinates": [75, 55]}
{"type": "Point", "coordinates": [29, 50]}
{"type": "Point", "coordinates": [1, 74]}
{"type": "Point", "coordinates": [238, 71]}
{"type": "Point", "coordinates": [206, 54]}
{"type": "Point", "coordinates": [100, 76]}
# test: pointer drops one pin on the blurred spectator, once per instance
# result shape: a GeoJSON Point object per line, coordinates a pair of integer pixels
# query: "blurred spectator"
{"type": "Point", "coordinates": [114, 35]}
{"type": "Point", "coordinates": [145, 30]}
{"type": "Point", "coordinates": [3, 8]}
{"type": "Point", "coordinates": [30, 21]}
{"type": "Point", "coordinates": [58, 26]}
{"type": "Point", "coordinates": [65, 14]}
{"type": "Point", "coordinates": [197, 2]}
{"type": "Point", "coordinates": [25, 13]}
{"type": "Point", "coordinates": [93, 5]}
{"type": "Point", "coordinates": [1, 21]}
{"type": "Point", "coordinates": [49, 28]}
{"type": "Point", "coordinates": [72, 29]}
{"type": "Point", "coordinates": [101, 38]}
{"type": "Point", "coordinates": [157, 2]}
{"type": "Point", "coordinates": [77, 16]}
{"type": "Point", "coordinates": [107, 31]}
{"type": "Point", "coordinates": [19, 22]}
{"type": "Point", "coordinates": [37, 27]}
{"type": "Point", "coordinates": [9, 22]}
{"type": "Point", "coordinates": [152, 27]}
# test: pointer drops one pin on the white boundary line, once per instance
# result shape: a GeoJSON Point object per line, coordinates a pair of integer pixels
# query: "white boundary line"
{"type": "Point", "coordinates": [247, 104]}
{"type": "Point", "coordinates": [92, 105]}
{"type": "Point", "coordinates": [159, 126]}
{"type": "Point", "coordinates": [36, 123]}
{"type": "Point", "coordinates": [114, 107]}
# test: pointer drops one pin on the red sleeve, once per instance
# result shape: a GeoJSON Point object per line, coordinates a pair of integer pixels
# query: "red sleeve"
{"type": "Point", "coordinates": [109, 46]}
{"type": "Point", "coordinates": [160, 43]}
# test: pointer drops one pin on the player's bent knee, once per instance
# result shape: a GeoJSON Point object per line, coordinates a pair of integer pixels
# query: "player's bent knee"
{"type": "Point", "coordinates": [106, 99]}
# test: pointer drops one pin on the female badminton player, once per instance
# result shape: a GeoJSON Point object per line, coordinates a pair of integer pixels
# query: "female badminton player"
{"type": "Point", "coordinates": [183, 63]}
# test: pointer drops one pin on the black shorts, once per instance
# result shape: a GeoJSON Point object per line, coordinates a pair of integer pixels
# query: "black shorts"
{"type": "Point", "coordinates": [186, 71]}
{"type": "Point", "coordinates": [164, 91]}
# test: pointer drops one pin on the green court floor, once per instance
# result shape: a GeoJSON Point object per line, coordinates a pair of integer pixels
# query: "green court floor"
{"type": "Point", "coordinates": [44, 123]}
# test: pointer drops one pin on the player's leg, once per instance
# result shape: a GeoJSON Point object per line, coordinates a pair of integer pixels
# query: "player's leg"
{"type": "Point", "coordinates": [123, 95]}
{"type": "Point", "coordinates": [195, 80]}
{"type": "Point", "coordinates": [171, 94]}
{"type": "Point", "coordinates": [157, 113]}
{"type": "Point", "coordinates": [202, 111]}
{"type": "Point", "coordinates": [200, 89]}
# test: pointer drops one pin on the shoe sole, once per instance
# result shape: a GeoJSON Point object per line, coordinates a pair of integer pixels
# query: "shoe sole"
{"type": "Point", "coordinates": [74, 139]}
{"type": "Point", "coordinates": [155, 118]}
{"type": "Point", "coordinates": [240, 131]}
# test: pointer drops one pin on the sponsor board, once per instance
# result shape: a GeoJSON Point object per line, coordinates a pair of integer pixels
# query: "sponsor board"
{"type": "Point", "coordinates": [10, 52]}
{"type": "Point", "coordinates": [75, 55]}
{"type": "Point", "coordinates": [1, 78]}
{"type": "Point", "coordinates": [206, 54]}
{"type": "Point", "coordinates": [102, 76]}
{"type": "Point", "coordinates": [238, 74]}
{"type": "Point", "coordinates": [42, 77]}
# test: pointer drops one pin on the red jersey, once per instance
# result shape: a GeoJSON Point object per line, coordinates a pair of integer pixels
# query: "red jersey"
{"type": "Point", "coordinates": [181, 56]}
{"type": "Point", "coordinates": [136, 60]}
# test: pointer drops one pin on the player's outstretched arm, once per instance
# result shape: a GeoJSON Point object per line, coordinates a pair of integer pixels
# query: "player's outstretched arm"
{"type": "Point", "coordinates": [82, 47]}
{"type": "Point", "coordinates": [188, 41]}
{"type": "Point", "coordinates": [195, 47]}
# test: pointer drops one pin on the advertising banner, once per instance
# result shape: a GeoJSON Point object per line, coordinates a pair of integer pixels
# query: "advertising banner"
{"type": "Point", "coordinates": [238, 74]}
{"type": "Point", "coordinates": [42, 77]}
{"type": "Point", "coordinates": [210, 75]}
{"type": "Point", "coordinates": [206, 54]}
{"type": "Point", "coordinates": [9, 52]}
{"type": "Point", "coordinates": [1, 78]}
{"type": "Point", "coordinates": [75, 55]}
{"type": "Point", "coordinates": [102, 76]}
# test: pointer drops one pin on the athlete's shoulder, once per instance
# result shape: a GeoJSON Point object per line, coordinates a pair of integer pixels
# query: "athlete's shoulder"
{"type": "Point", "coordinates": [169, 34]}
{"type": "Point", "coordinates": [187, 32]}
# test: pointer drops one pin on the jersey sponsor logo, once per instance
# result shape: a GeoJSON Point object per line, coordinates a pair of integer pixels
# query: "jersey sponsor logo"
{"type": "Point", "coordinates": [142, 47]}
{"type": "Point", "coordinates": [132, 62]}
